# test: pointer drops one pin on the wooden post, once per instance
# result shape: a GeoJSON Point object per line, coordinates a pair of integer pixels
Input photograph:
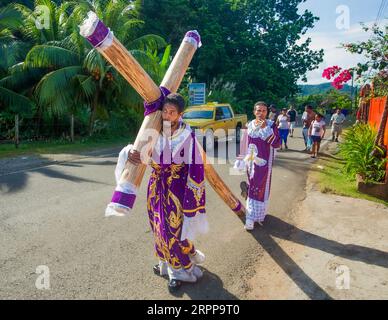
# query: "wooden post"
{"type": "Point", "coordinates": [17, 131]}
{"type": "Point", "coordinates": [72, 128]}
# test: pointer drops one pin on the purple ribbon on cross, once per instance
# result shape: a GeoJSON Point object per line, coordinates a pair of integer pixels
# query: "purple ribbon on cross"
{"type": "Point", "coordinates": [238, 208]}
{"type": "Point", "coordinates": [158, 104]}
{"type": "Point", "coordinates": [99, 34]}
{"type": "Point", "coordinates": [124, 199]}
{"type": "Point", "coordinates": [195, 35]}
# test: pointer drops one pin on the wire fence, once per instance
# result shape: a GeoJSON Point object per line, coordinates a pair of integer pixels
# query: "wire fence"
{"type": "Point", "coordinates": [13, 131]}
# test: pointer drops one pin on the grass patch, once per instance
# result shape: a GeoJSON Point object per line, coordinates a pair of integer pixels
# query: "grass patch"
{"type": "Point", "coordinates": [332, 179]}
{"type": "Point", "coordinates": [62, 146]}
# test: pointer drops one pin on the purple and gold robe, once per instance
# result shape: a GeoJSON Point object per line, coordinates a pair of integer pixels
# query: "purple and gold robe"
{"type": "Point", "coordinates": [176, 197]}
{"type": "Point", "coordinates": [258, 149]}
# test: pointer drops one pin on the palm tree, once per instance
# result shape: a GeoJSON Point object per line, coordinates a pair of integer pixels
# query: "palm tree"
{"type": "Point", "coordinates": [74, 74]}
{"type": "Point", "coordinates": [11, 52]}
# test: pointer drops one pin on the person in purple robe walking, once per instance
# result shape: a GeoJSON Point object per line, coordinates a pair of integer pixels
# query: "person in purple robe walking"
{"type": "Point", "coordinates": [257, 150]}
{"type": "Point", "coordinates": [175, 196]}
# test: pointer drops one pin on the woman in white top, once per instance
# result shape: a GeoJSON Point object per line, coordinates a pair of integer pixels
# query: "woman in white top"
{"type": "Point", "coordinates": [283, 123]}
{"type": "Point", "coordinates": [317, 132]}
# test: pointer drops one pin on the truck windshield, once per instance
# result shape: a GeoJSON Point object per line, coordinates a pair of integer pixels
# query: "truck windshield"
{"type": "Point", "coordinates": [198, 114]}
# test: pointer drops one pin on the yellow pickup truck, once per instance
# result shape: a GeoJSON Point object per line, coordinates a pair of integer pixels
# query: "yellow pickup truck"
{"type": "Point", "coordinates": [215, 121]}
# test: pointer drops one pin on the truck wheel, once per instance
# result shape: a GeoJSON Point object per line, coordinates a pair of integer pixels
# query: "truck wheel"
{"type": "Point", "coordinates": [208, 140]}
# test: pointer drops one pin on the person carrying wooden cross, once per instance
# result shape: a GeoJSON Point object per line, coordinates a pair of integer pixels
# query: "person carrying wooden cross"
{"type": "Point", "coordinates": [181, 265]}
{"type": "Point", "coordinates": [175, 196]}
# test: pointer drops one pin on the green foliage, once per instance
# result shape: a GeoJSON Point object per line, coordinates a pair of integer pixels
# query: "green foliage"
{"type": "Point", "coordinates": [374, 49]}
{"type": "Point", "coordinates": [357, 152]}
{"type": "Point", "coordinates": [10, 18]}
{"type": "Point", "coordinates": [254, 44]}
{"type": "Point", "coordinates": [50, 73]}
{"type": "Point", "coordinates": [252, 47]}
{"type": "Point", "coordinates": [308, 89]}
{"type": "Point", "coordinates": [222, 92]}
{"type": "Point", "coordinates": [376, 61]}
{"type": "Point", "coordinates": [17, 102]}
{"type": "Point", "coordinates": [325, 102]}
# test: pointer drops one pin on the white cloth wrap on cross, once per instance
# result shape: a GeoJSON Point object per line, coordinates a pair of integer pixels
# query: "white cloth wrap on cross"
{"type": "Point", "coordinates": [115, 209]}
{"type": "Point", "coordinates": [89, 26]}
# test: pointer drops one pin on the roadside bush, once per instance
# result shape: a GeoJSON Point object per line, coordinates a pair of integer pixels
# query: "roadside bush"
{"type": "Point", "coordinates": [356, 151]}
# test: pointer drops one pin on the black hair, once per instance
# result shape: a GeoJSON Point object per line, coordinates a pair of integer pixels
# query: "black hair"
{"type": "Point", "coordinates": [309, 107]}
{"type": "Point", "coordinates": [177, 100]}
{"type": "Point", "coordinates": [260, 103]}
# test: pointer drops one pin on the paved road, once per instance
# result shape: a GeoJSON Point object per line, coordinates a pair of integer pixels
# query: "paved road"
{"type": "Point", "coordinates": [53, 216]}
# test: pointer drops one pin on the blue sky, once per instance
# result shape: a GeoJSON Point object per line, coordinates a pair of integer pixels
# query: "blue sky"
{"type": "Point", "coordinates": [333, 29]}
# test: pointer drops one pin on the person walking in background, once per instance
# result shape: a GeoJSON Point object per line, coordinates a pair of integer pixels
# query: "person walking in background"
{"type": "Point", "coordinates": [256, 157]}
{"type": "Point", "coordinates": [293, 114]}
{"type": "Point", "coordinates": [336, 122]}
{"type": "Point", "coordinates": [283, 123]}
{"type": "Point", "coordinates": [273, 113]}
{"type": "Point", "coordinates": [307, 117]}
{"type": "Point", "coordinates": [317, 132]}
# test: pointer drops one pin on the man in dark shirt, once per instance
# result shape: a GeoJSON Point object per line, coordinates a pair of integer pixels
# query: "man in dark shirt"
{"type": "Point", "coordinates": [292, 114]}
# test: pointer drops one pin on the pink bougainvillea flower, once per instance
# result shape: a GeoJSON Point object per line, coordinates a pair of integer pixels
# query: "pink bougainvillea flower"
{"type": "Point", "coordinates": [338, 82]}
{"type": "Point", "coordinates": [343, 77]}
{"type": "Point", "coordinates": [330, 72]}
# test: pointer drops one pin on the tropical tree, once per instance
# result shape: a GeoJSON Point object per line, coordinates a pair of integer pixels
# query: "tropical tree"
{"type": "Point", "coordinates": [70, 74]}
{"type": "Point", "coordinates": [255, 44]}
{"type": "Point", "coordinates": [11, 51]}
{"type": "Point", "coordinates": [375, 51]}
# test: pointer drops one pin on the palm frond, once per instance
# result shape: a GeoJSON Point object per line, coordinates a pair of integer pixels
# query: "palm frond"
{"type": "Point", "coordinates": [10, 18]}
{"type": "Point", "coordinates": [56, 89]}
{"type": "Point", "coordinates": [14, 101]}
{"type": "Point", "coordinates": [93, 61]}
{"type": "Point", "coordinates": [88, 85]}
{"type": "Point", "coordinates": [22, 78]}
{"type": "Point", "coordinates": [150, 42]}
{"type": "Point", "coordinates": [166, 58]}
{"type": "Point", "coordinates": [50, 57]}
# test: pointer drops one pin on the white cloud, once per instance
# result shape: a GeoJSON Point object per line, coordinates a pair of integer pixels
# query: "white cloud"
{"type": "Point", "coordinates": [334, 54]}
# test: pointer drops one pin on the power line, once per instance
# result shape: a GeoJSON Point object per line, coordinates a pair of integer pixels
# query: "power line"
{"type": "Point", "coordinates": [381, 10]}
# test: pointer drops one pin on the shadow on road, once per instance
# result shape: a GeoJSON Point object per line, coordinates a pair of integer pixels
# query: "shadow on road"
{"type": "Point", "coordinates": [51, 173]}
{"type": "Point", "coordinates": [281, 229]}
{"type": "Point", "coordinates": [13, 184]}
{"type": "Point", "coordinates": [264, 237]}
{"type": "Point", "coordinates": [18, 181]}
{"type": "Point", "coordinates": [275, 227]}
{"type": "Point", "coordinates": [210, 287]}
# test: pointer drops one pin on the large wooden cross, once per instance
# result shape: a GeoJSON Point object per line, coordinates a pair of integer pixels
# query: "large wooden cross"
{"type": "Point", "coordinates": [105, 42]}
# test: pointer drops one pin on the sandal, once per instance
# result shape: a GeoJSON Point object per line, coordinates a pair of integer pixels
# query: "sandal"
{"type": "Point", "coordinates": [174, 285]}
{"type": "Point", "coordinates": [158, 271]}
{"type": "Point", "coordinates": [244, 189]}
